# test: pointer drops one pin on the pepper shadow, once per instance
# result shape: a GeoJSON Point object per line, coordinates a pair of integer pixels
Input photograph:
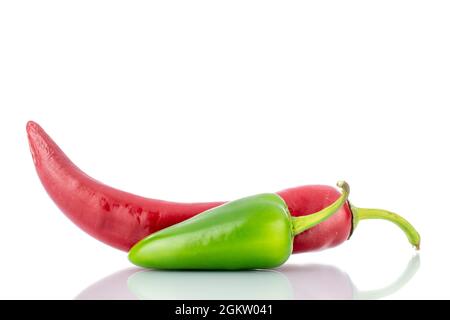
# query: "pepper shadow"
{"type": "Point", "coordinates": [298, 282]}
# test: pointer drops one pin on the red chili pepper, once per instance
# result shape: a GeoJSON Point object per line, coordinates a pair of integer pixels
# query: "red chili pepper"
{"type": "Point", "coordinates": [121, 219]}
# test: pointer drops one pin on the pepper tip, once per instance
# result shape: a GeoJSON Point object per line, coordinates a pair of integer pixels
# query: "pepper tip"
{"type": "Point", "coordinates": [344, 186]}
{"type": "Point", "coordinates": [33, 127]}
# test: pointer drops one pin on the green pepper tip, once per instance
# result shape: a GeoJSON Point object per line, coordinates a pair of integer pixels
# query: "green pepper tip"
{"type": "Point", "coordinates": [344, 186]}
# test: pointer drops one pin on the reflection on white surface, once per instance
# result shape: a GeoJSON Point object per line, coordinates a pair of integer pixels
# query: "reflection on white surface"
{"type": "Point", "coordinates": [300, 282]}
{"type": "Point", "coordinates": [240, 285]}
{"type": "Point", "coordinates": [113, 287]}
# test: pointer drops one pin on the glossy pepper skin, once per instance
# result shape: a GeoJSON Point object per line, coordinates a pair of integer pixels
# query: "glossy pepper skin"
{"type": "Point", "coordinates": [120, 219]}
{"type": "Point", "coordinates": [251, 233]}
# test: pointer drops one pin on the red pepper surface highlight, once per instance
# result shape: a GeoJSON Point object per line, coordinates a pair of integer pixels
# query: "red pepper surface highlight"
{"type": "Point", "coordinates": [121, 219]}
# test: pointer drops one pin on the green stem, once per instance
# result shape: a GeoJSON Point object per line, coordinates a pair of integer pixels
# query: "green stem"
{"type": "Point", "coordinates": [363, 214]}
{"type": "Point", "coordinates": [302, 223]}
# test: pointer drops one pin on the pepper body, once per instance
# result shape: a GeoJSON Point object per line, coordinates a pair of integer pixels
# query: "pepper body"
{"type": "Point", "coordinates": [250, 233]}
{"type": "Point", "coordinates": [120, 219]}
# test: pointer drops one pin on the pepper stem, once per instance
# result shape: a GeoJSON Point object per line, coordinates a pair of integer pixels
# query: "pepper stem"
{"type": "Point", "coordinates": [363, 214]}
{"type": "Point", "coordinates": [303, 223]}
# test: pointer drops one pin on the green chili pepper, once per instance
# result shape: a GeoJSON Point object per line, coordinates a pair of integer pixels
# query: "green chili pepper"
{"type": "Point", "coordinates": [250, 233]}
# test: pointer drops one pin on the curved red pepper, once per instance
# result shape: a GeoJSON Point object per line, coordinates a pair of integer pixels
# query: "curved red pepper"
{"type": "Point", "coordinates": [121, 219]}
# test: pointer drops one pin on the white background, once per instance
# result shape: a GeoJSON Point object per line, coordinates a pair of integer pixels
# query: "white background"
{"type": "Point", "coordinates": [201, 100]}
